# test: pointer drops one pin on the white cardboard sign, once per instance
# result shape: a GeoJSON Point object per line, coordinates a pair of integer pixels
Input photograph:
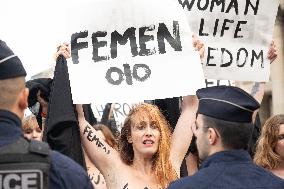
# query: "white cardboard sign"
{"type": "Point", "coordinates": [131, 50]}
{"type": "Point", "coordinates": [237, 34]}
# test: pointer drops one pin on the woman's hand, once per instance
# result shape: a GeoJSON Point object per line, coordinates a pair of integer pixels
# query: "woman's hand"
{"type": "Point", "coordinates": [63, 49]}
{"type": "Point", "coordinates": [198, 46]}
{"type": "Point", "coordinates": [272, 53]}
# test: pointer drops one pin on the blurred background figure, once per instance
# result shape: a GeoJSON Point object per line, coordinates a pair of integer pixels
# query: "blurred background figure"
{"type": "Point", "coordinates": [39, 98]}
{"type": "Point", "coordinates": [31, 128]}
{"type": "Point", "coordinates": [270, 149]}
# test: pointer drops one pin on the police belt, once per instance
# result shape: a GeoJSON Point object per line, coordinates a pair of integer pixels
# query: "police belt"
{"type": "Point", "coordinates": [25, 164]}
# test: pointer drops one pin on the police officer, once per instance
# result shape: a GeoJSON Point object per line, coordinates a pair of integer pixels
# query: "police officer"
{"type": "Point", "coordinates": [223, 129]}
{"type": "Point", "coordinates": [23, 163]}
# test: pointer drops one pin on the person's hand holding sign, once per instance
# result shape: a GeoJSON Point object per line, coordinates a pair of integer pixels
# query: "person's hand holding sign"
{"type": "Point", "coordinates": [63, 49]}
{"type": "Point", "coordinates": [257, 90]}
{"type": "Point", "coordinates": [272, 53]}
{"type": "Point", "coordinates": [198, 46]}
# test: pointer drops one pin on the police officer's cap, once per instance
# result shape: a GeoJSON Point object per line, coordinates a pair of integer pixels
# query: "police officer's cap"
{"type": "Point", "coordinates": [226, 103]}
{"type": "Point", "coordinates": [10, 65]}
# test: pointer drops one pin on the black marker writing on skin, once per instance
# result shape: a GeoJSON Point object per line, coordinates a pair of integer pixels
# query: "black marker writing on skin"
{"type": "Point", "coordinates": [98, 181]}
{"type": "Point", "coordinates": [92, 177]}
{"type": "Point", "coordinates": [93, 138]}
{"type": "Point", "coordinates": [126, 186]}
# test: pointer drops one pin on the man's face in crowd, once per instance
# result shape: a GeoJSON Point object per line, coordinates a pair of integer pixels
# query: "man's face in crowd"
{"type": "Point", "coordinates": [145, 135]}
{"type": "Point", "coordinates": [202, 143]}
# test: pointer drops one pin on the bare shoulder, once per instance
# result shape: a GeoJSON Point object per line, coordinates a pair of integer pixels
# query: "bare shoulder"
{"type": "Point", "coordinates": [278, 172]}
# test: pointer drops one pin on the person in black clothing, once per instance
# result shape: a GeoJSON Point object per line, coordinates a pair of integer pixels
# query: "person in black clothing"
{"type": "Point", "coordinates": [25, 163]}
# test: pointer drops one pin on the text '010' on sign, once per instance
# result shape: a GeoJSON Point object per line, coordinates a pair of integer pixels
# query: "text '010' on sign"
{"type": "Point", "coordinates": [128, 74]}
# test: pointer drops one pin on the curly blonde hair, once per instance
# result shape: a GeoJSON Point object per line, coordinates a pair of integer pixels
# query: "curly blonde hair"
{"type": "Point", "coordinates": [265, 155]}
{"type": "Point", "coordinates": [161, 166]}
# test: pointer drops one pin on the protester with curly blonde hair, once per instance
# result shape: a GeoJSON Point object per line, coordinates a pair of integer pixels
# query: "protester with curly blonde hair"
{"type": "Point", "coordinates": [131, 131]}
{"type": "Point", "coordinates": [149, 155]}
{"type": "Point", "coordinates": [270, 149]}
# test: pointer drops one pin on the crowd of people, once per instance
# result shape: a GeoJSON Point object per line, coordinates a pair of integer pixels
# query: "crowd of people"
{"type": "Point", "coordinates": [213, 133]}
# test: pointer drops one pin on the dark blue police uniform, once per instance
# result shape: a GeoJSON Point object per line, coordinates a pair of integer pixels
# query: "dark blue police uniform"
{"type": "Point", "coordinates": [30, 164]}
{"type": "Point", "coordinates": [231, 167]}
{"type": "Point", "coordinates": [64, 172]}
{"type": "Point", "coordinates": [230, 170]}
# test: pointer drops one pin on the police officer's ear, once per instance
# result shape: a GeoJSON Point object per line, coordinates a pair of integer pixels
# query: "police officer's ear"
{"type": "Point", "coordinates": [23, 99]}
{"type": "Point", "coordinates": [212, 136]}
